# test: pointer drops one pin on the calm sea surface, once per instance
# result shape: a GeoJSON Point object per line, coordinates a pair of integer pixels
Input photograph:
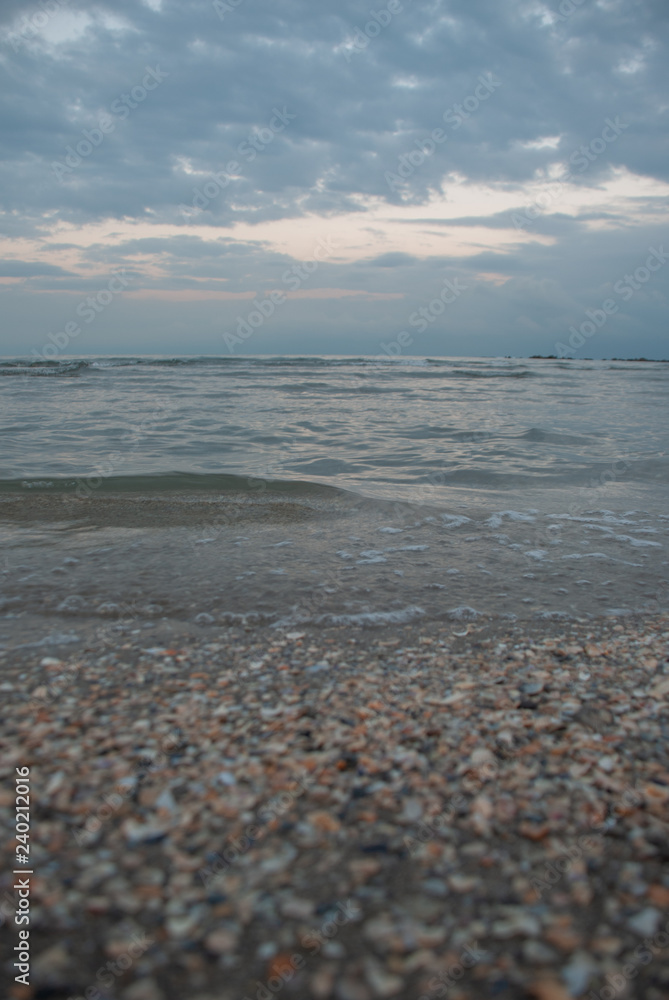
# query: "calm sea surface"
{"type": "Point", "coordinates": [292, 490]}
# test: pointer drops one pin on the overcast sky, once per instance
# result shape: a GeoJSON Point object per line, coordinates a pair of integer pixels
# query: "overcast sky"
{"type": "Point", "coordinates": [316, 172]}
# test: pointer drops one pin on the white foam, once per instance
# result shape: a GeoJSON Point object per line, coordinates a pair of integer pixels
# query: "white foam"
{"type": "Point", "coordinates": [374, 617]}
{"type": "Point", "coordinates": [464, 613]}
{"type": "Point", "coordinates": [600, 555]}
{"type": "Point", "coordinates": [608, 518]}
{"type": "Point", "coordinates": [407, 548]}
{"type": "Point", "coordinates": [391, 531]}
{"type": "Point", "coordinates": [455, 520]}
{"type": "Point", "coordinates": [638, 542]}
{"type": "Point", "coordinates": [537, 554]}
{"type": "Point", "coordinates": [496, 520]}
{"type": "Point", "coordinates": [56, 639]}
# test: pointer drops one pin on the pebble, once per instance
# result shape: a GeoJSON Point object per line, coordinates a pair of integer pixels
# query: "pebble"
{"type": "Point", "coordinates": [517, 924]}
{"type": "Point", "coordinates": [645, 923]}
{"type": "Point", "coordinates": [382, 983]}
{"type": "Point", "coordinates": [578, 973]}
{"type": "Point", "coordinates": [51, 968]}
{"type": "Point", "coordinates": [435, 887]}
{"type": "Point", "coordinates": [375, 774]}
{"type": "Point", "coordinates": [222, 942]}
{"type": "Point", "coordinates": [538, 953]}
{"type": "Point", "coordinates": [143, 989]}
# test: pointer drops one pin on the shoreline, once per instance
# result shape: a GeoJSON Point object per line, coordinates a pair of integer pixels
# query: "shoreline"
{"type": "Point", "coordinates": [343, 812]}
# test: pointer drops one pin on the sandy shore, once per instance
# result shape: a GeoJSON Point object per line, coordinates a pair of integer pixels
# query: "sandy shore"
{"type": "Point", "coordinates": [401, 813]}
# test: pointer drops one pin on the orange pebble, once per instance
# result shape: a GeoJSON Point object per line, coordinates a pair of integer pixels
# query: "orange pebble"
{"type": "Point", "coordinates": [324, 822]}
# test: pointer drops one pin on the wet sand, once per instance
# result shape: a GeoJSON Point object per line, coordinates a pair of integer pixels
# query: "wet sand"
{"type": "Point", "coordinates": [436, 810]}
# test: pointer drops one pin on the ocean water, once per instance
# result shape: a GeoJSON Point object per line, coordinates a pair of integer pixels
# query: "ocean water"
{"type": "Point", "coordinates": [287, 491]}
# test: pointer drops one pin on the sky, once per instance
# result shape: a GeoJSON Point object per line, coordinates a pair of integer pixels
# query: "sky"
{"type": "Point", "coordinates": [416, 177]}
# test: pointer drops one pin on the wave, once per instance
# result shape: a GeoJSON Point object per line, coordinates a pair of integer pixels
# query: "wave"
{"type": "Point", "coordinates": [43, 368]}
{"type": "Point", "coordinates": [169, 482]}
{"type": "Point", "coordinates": [416, 367]}
{"type": "Point", "coordinates": [539, 436]}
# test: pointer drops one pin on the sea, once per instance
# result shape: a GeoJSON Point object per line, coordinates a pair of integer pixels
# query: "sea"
{"type": "Point", "coordinates": [291, 491]}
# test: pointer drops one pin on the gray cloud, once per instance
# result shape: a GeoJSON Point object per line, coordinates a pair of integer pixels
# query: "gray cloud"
{"type": "Point", "coordinates": [28, 269]}
{"type": "Point", "coordinates": [354, 118]}
{"type": "Point", "coordinates": [167, 98]}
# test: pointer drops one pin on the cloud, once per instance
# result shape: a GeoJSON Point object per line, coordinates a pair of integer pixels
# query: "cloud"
{"type": "Point", "coordinates": [224, 80]}
{"type": "Point", "coordinates": [30, 269]}
{"type": "Point", "coordinates": [393, 259]}
{"type": "Point", "coordinates": [206, 149]}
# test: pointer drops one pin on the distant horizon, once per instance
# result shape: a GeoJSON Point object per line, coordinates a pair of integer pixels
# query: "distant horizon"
{"type": "Point", "coordinates": [376, 357]}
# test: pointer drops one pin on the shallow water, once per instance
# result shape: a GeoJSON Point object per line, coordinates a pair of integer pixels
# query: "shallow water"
{"type": "Point", "coordinates": [331, 490]}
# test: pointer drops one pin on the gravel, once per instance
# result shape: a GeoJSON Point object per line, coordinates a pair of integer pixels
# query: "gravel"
{"type": "Point", "coordinates": [345, 813]}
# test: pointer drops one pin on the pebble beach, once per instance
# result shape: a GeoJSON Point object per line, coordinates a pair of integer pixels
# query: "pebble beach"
{"type": "Point", "coordinates": [413, 812]}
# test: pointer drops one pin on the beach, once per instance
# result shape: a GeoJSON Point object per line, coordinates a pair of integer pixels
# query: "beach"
{"type": "Point", "coordinates": [329, 679]}
{"type": "Point", "coordinates": [334, 500]}
{"type": "Point", "coordinates": [424, 810]}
